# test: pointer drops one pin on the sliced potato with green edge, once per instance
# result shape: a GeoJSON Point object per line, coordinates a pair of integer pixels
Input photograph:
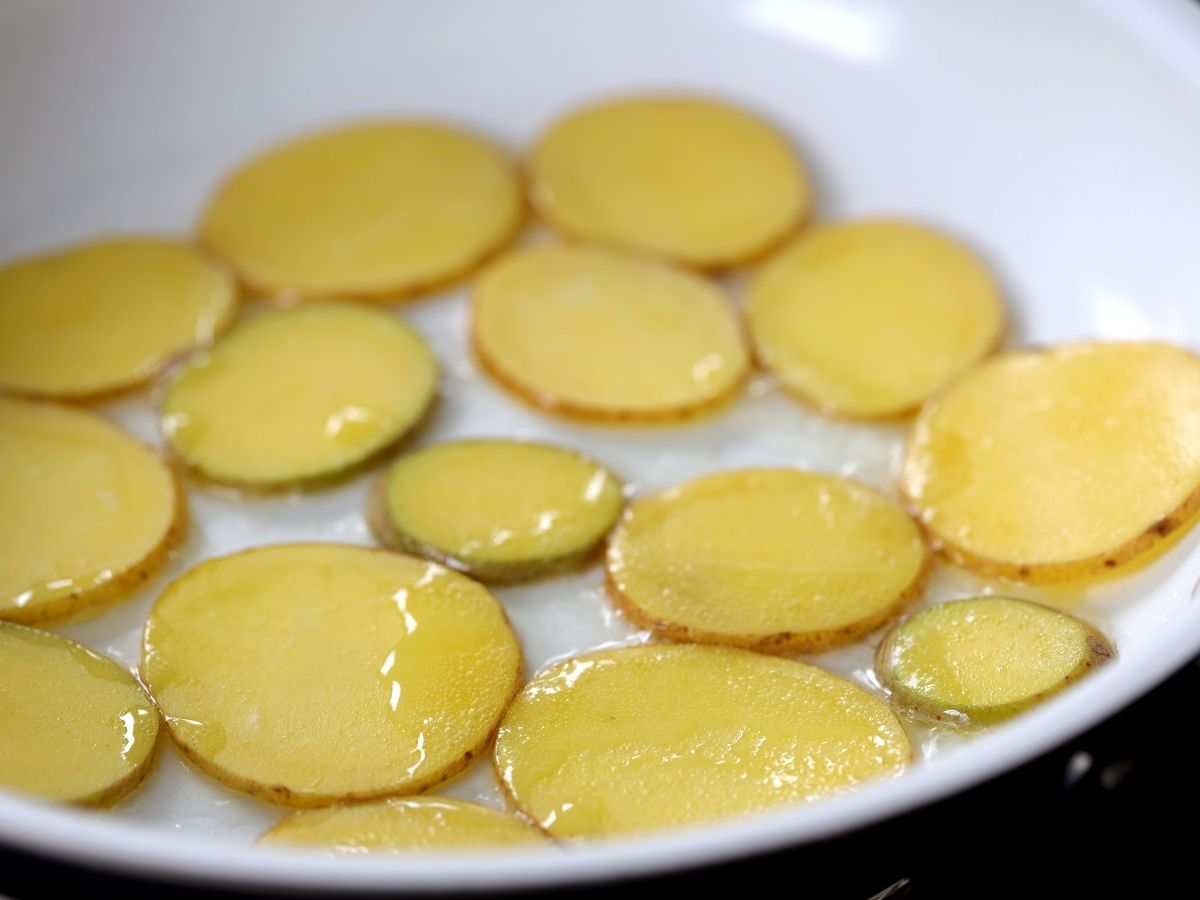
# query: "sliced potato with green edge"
{"type": "Point", "coordinates": [776, 560]}
{"type": "Point", "coordinates": [1059, 464]}
{"type": "Point", "coordinates": [75, 727]}
{"type": "Point", "coordinates": [297, 397]}
{"type": "Point", "coordinates": [648, 737]}
{"type": "Point", "coordinates": [980, 660]}
{"type": "Point", "coordinates": [403, 825]}
{"type": "Point", "coordinates": [89, 512]}
{"type": "Point", "coordinates": [498, 510]}
{"type": "Point", "coordinates": [308, 674]}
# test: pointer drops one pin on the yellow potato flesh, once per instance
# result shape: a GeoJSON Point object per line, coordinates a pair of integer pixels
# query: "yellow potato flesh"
{"type": "Point", "coordinates": [306, 674]}
{"type": "Point", "coordinates": [1052, 465]}
{"type": "Point", "coordinates": [595, 334]}
{"type": "Point", "coordinates": [74, 726]}
{"type": "Point", "coordinates": [869, 319]}
{"type": "Point", "coordinates": [693, 180]}
{"type": "Point", "coordinates": [650, 737]}
{"type": "Point", "coordinates": [499, 509]}
{"type": "Point", "coordinates": [418, 824]}
{"type": "Point", "coordinates": [980, 660]}
{"type": "Point", "coordinates": [88, 511]}
{"type": "Point", "coordinates": [374, 210]}
{"type": "Point", "coordinates": [300, 394]}
{"type": "Point", "coordinates": [106, 316]}
{"type": "Point", "coordinates": [772, 559]}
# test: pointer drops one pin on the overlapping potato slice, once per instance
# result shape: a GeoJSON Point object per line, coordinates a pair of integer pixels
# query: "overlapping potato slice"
{"type": "Point", "coordinates": [1059, 464]}
{"type": "Point", "coordinates": [595, 334]}
{"type": "Point", "coordinates": [868, 319]}
{"type": "Point", "coordinates": [690, 179]}
{"type": "Point", "coordinates": [498, 510]}
{"type": "Point", "coordinates": [778, 560]}
{"type": "Point", "coordinates": [648, 737]}
{"type": "Point", "coordinates": [300, 395]}
{"type": "Point", "coordinates": [74, 726]}
{"type": "Point", "coordinates": [980, 660]}
{"type": "Point", "coordinates": [103, 317]}
{"type": "Point", "coordinates": [413, 824]}
{"type": "Point", "coordinates": [306, 674]}
{"type": "Point", "coordinates": [373, 210]}
{"type": "Point", "coordinates": [88, 512]}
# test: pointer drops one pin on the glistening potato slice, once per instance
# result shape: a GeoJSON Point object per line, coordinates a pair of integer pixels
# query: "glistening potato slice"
{"type": "Point", "coordinates": [416, 824]}
{"type": "Point", "coordinates": [311, 673]}
{"type": "Point", "coordinates": [297, 396]}
{"type": "Point", "coordinates": [372, 210]}
{"type": "Point", "coordinates": [88, 512]}
{"type": "Point", "coordinates": [74, 726]}
{"type": "Point", "coordinates": [868, 319]}
{"type": "Point", "coordinates": [498, 510]}
{"type": "Point", "coordinates": [1059, 464]}
{"type": "Point", "coordinates": [977, 661]}
{"type": "Point", "coordinates": [102, 317]}
{"type": "Point", "coordinates": [778, 560]}
{"type": "Point", "coordinates": [591, 333]}
{"type": "Point", "coordinates": [690, 179]}
{"type": "Point", "coordinates": [651, 737]}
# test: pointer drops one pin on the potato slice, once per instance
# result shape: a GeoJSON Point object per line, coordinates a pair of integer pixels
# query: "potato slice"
{"type": "Point", "coordinates": [695, 180]}
{"type": "Point", "coordinates": [594, 334]}
{"type": "Point", "coordinates": [777, 560]}
{"type": "Point", "coordinates": [1053, 465]}
{"type": "Point", "coordinates": [371, 211]}
{"type": "Point", "coordinates": [306, 674]}
{"type": "Point", "coordinates": [414, 824]}
{"type": "Point", "coordinates": [299, 396]}
{"type": "Point", "coordinates": [868, 319]}
{"type": "Point", "coordinates": [89, 513]}
{"type": "Point", "coordinates": [497, 510]}
{"type": "Point", "coordinates": [104, 317]}
{"type": "Point", "coordinates": [983, 659]}
{"type": "Point", "coordinates": [648, 737]}
{"type": "Point", "coordinates": [74, 726]}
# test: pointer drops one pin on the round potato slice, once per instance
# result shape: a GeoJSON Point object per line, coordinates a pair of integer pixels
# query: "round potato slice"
{"type": "Point", "coordinates": [306, 674]}
{"type": "Point", "coordinates": [104, 317]}
{"type": "Point", "coordinates": [416, 824]}
{"type": "Point", "coordinates": [74, 726]}
{"type": "Point", "coordinates": [869, 319]}
{"type": "Point", "coordinates": [594, 334]}
{"type": "Point", "coordinates": [694, 180]}
{"type": "Point", "coordinates": [1053, 465]}
{"type": "Point", "coordinates": [777, 560]}
{"type": "Point", "coordinates": [497, 510]}
{"type": "Point", "coordinates": [89, 513]}
{"type": "Point", "coordinates": [299, 396]}
{"type": "Point", "coordinates": [980, 660]}
{"type": "Point", "coordinates": [370, 211]}
{"type": "Point", "coordinates": [649, 737]}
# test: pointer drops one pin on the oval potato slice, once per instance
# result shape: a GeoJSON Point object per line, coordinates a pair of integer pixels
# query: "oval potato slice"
{"type": "Point", "coordinates": [306, 674]}
{"type": "Point", "coordinates": [104, 317]}
{"type": "Point", "coordinates": [1058, 464]}
{"type": "Point", "coordinates": [412, 824]}
{"type": "Point", "coordinates": [74, 726]}
{"type": "Point", "coordinates": [89, 513]}
{"type": "Point", "coordinates": [777, 560]}
{"type": "Point", "coordinates": [498, 510]}
{"type": "Point", "coordinates": [370, 211]}
{"type": "Point", "coordinates": [983, 659]}
{"type": "Point", "coordinates": [694, 180]}
{"type": "Point", "coordinates": [868, 319]}
{"type": "Point", "coordinates": [641, 738]}
{"type": "Point", "coordinates": [299, 396]}
{"type": "Point", "coordinates": [590, 333]}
